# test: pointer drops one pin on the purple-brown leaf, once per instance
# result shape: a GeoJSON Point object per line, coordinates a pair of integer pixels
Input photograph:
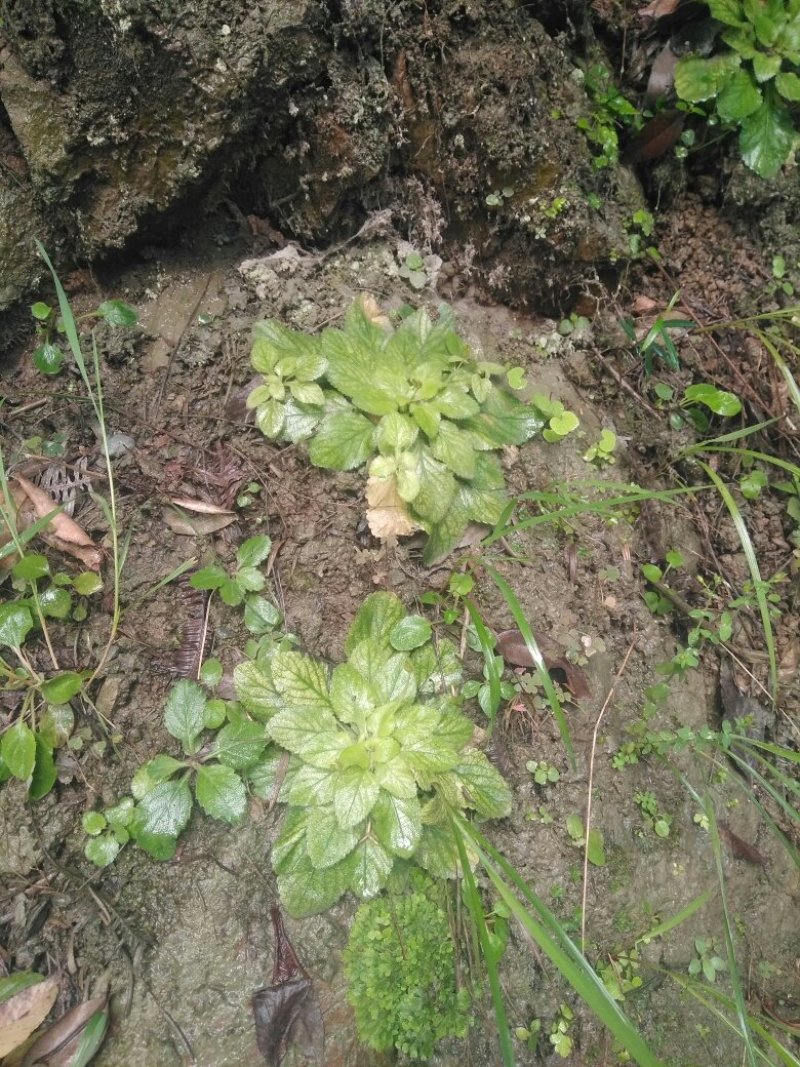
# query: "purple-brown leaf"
{"type": "Point", "coordinates": [287, 1012]}
{"type": "Point", "coordinates": [512, 647]}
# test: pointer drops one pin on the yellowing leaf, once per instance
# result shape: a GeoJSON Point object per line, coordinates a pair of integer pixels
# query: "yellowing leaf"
{"type": "Point", "coordinates": [387, 515]}
{"type": "Point", "coordinates": [21, 1015]}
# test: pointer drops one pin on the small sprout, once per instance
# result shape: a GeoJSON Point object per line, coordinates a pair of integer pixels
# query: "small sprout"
{"type": "Point", "coordinates": [602, 452]}
{"type": "Point", "coordinates": [543, 773]}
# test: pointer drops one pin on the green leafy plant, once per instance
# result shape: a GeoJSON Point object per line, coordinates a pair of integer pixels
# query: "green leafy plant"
{"type": "Point", "coordinates": [543, 773]}
{"type": "Point", "coordinates": [380, 756]}
{"type": "Point", "coordinates": [602, 452]}
{"type": "Point", "coordinates": [244, 584]}
{"type": "Point", "coordinates": [620, 974]}
{"type": "Point", "coordinates": [413, 402]}
{"type": "Point", "coordinates": [659, 821]}
{"type": "Point", "coordinates": [560, 1037]}
{"type": "Point", "coordinates": [49, 356]}
{"type": "Point", "coordinates": [610, 112]}
{"type": "Point", "coordinates": [596, 852]}
{"type": "Point", "coordinates": [657, 342]}
{"type": "Point", "coordinates": [400, 970]}
{"type": "Point", "coordinates": [225, 752]}
{"type": "Point", "coordinates": [753, 83]}
{"type": "Point", "coordinates": [706, 961]}
{"type": "Point", "coordinates": [560, 422]}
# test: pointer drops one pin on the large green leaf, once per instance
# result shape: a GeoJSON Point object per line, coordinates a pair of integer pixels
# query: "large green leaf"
{"type": "Point", "coordinates": [256, 692]}
{"type": "Point", "coordinates": [352, 695]}
{"type": "Point", "coordinates": [262, 777]}
{"type": "Point", "coordinates": [289, 848]}
{"type": "Point", "coordinates": [301, 680]}
{"type": "Point", "coordinates": [436, 852]}
{"type": "Point", "coordinates": [740, 97]}
{"type": "Point", "coordinates": [241, 744]}
{"type": "Point", "coordinates": [327, 842]}
{"type": "Point", "coordinates": [44, 772]}
{"type": "Point", "coordinates": [484, 788]}
{"type": "Point", "coordinates": [164, 811]}
{"type": "Point", "coordinates": [389, 674]}
{"type": "Point", "coordinates": [767, 137]}
{"type": "Point", "coordinates": [696, 79]}
{"type": "Point", "coordinates": [411, 632]}
{"type": "Point", "coordinates": [18, 750]}
{"type": "Point", "coordinates": [310, 733]}
{"type": "Point", "coordinates": [397, 778]}
{"type": "Point", "coordinates": [312, 785]}
{"type": "Point", "coordinates": [273, 342]}
{"type": "Point", "coordinates": [727, 11]}
{"type": "Point", "coordinates": [375, 620]}
{"type": "Point", "coordinates": [253, 551]}
{"type": "Point", "coordinates": [437, 487]}
{"type": "Point", "coordinates": [156, 770]}
{"type": "Point", "coordinates": [371, 868]}
{"type": "Point", "coordinates": [765, 67]}
{"type": "Point", "coordinates": [455, 402]}
{"type": "Point", "coordinates": [788, 85]}
{"type": "Point", "coordinates": [221, 793]}
{"type": "Point", "coordinates": [455, 449]}
{"type": "Point", "coordinates": [437, 669]}
{"type": "Point", "coordinates": [443, 536]}
{"type": "Point", "coordinates": [299, 420]}
{"type": "Point", "coordinates": [505, 420]}
{"type": "Point", "coordinates": [355, 796]}
{"type": "Point", "coordinates": [184, 712]}
{"type": "Point", "coordinates": [15, 624]}
{"type": "Point", "coordinates": [342, 442]}
{"type": "Point", "coordinates": [395, 433]}
{"type": "Point", "coordinates": [304, 890]}
{"type": "Point", "coordinates": [270, 418]}
{"type": "Point", "coordinates": [423, 749]}
{"type": "Point", "coordinates": [397, 824]}
{"type": "Point", "coordinates": [61, 688]}
{"type": "Point", "coordinates": [358, 369]}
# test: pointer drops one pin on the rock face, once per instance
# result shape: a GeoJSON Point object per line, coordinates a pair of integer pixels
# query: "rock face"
{"type": "Point", "coordinates": [120, 116]}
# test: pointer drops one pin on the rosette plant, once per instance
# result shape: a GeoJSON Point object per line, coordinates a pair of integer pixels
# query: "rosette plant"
{"type": "Point", "coordinates": [381, 754]}
{"type": "Point", "coordinates": [412, 402]}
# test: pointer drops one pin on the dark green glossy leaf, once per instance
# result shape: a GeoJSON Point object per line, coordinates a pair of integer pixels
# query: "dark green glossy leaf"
{"type": "Point", "coordinates": [62, 688]}
{"type": "Point", "coordinates": [44, 771]}
{"type": "Point", "coordinates": [48, 358]}
{"type": "Point", "coordinates": [31, 567]}
{"type": "Point", "coordinates": [18, 749]}
{"type": "Point", "coordinates": [16, 622]}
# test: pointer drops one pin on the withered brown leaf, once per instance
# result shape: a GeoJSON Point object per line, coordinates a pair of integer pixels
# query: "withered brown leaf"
{"type": "Point", "coordinates": [287, 1012]}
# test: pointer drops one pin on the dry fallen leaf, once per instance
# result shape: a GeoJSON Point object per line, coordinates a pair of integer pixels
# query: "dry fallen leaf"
{"type": "Point", "coordinates": [180, 522]}
{"type": "Point", "coordinates": [287, 1012]}
{"type": "Point", "coordinates": [658, 9]}
{"type": "Point", "coordinates": [372, 310]}
{"type": "Point", "coordinates": [58, 1045]}
{"type": "Point", "coordinates": [512, 647]}
{"type": "Point", "coordinates": [386, 514]}
{"type": "Point", "coordinates": [61, 532]}
{"type": "Point", "coordinates": [21, 1014]}
{"type": "Point", "coordinates": [202, 507]}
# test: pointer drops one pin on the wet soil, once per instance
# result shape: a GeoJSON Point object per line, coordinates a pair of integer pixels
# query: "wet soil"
{"type": "Point", "coordinates": [183, 945]}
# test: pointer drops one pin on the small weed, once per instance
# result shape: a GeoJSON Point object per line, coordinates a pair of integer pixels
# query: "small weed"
{"type": "Point", "coordinates": [611, 111]}
{"type": "Point", "coordinates": [543, 773]}
{"type": "Point", "coordinates": [706, 962]}
{"type": "Point", "coordinates": [658, 821]}
{"type": "Point", "coordinates": [601, 454]}
{"type": "Point", "coordinates": [560, 1037]}
{"type": "Point", "coordinates": [657, 343]}
{"type": "Point", "coordinates": [596, 851]}
{"type": "Point", "coordinates": [620, 975]}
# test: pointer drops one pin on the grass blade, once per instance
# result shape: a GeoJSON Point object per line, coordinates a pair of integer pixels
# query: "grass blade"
{"type": "Point", "coordinates": [475, 906]}
{"type": "Point", "coordinates": [515, 608]}
{"type": "Point", "coordinates": [487, 644]}
{"type": "Point", "coordinates": [755, 573]}
{"type": "Point", "coordinates": [733, 965]}
{"type": "Point", "coordinates": [548, 934]}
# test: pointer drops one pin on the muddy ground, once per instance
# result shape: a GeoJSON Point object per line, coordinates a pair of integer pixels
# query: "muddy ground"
{"type": "Point", "coordinates": [181, 946]}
